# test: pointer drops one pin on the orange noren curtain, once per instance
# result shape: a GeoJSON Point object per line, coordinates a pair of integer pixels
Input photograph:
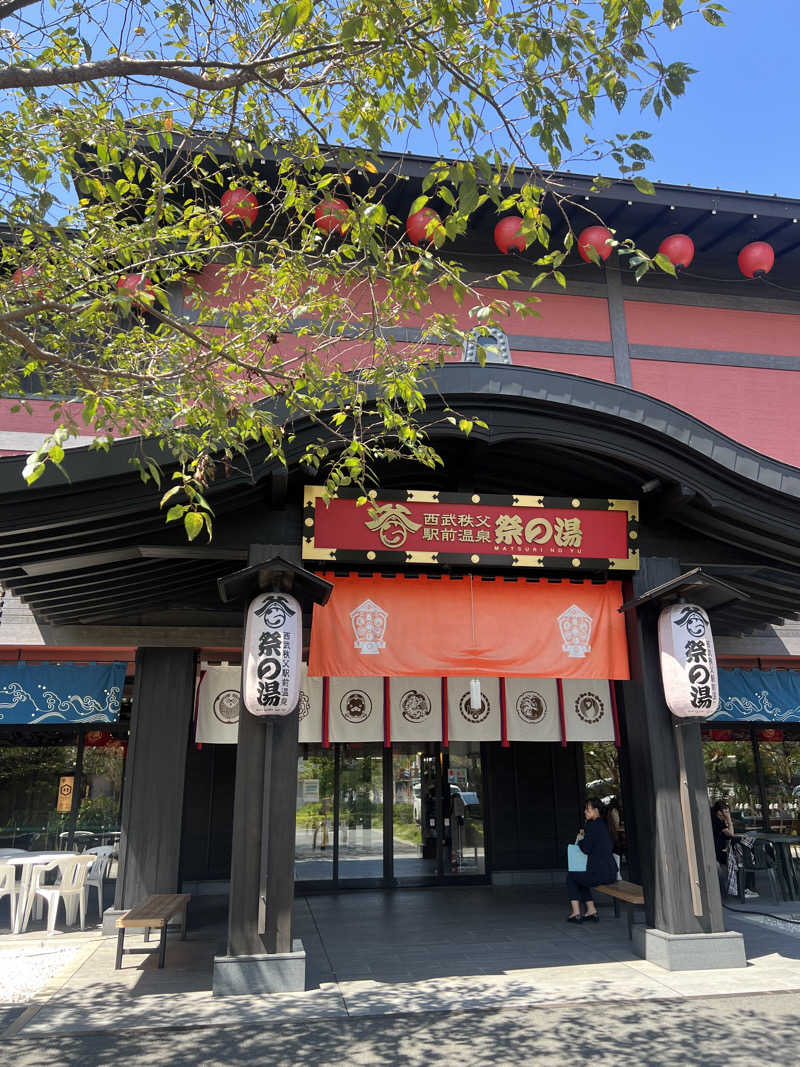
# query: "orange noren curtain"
{"type": "Point", "coordinates": [446, 626]}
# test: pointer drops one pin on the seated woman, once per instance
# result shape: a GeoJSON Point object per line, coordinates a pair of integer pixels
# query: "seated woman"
{"type": "Point", "coordinates": [601, 867]}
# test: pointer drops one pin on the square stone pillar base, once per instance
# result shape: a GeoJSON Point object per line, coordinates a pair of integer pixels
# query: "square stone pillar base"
{"type": "Point", "coordinates": [278, 972]}
{"type": "Point", "coordinates": [689, 952]}
{"type": "Point", "coordinates": [110, 916]}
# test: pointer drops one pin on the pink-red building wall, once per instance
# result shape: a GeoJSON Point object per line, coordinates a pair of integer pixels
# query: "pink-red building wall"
{"type": "Point", "coordinates": [755, 406]}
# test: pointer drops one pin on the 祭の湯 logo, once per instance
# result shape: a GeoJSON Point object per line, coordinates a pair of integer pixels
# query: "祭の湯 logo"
{"type": "Point", "coordinates": [356, 706]}
{"type": "Point", "coordinates": [415, 706]}
{"type": "Point", "coordinates": [226, 706]}
{"type": "Point", "coordinates": [474, 715]}
{"type": "Point", "coordinates": [369, 626]}
{"type": "Point", "coordinates": [393, 524]}
{"type": "Point", "coordinates": [531, 706]}
{"type": "Point", "coordinates": [303, 705]}
{"type": "Point", "coordinates": [576, 630]}
{"type": "Point", "coordinates": [589, 708]}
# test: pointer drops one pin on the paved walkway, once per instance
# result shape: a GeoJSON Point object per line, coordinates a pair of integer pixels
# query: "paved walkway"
{"type": "Point", "coordinates": [449, 950]}
{"type": "Point", "coordinates": [705, 1032]}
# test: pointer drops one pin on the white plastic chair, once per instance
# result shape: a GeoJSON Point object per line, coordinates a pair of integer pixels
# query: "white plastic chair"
{"type": "Point", "coordinates": [98, 871]}
{"type": "Point", "coordinates": [8, 888]}
{"type": "Point", "coordinates": [71, 887]}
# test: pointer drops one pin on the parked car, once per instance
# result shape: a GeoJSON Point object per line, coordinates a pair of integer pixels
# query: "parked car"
{"type": "Point", "coordinates": [471, 802]}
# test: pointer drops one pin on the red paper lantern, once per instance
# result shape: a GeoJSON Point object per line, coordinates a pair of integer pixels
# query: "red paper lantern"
{"type": "Point", "coordinates": [21, 274]}
{"type": "Point", "coordinates": [97, 738]}
{"type": "Point", "coordinates": [721, 735]}
{"type": "Point", "coordinates": [331, 215]}
{"type": "Point", "coordinates": [239, 205]}
{"type": "Point", "coordinates": [417, 225]}
{"type": "Point", "coordinates": [136, 286]}
{"type": "Point", "coordinates": [508, 235]}
{"type": "Point", "coordinates": [596, 237]}
{"type": "Point", "coordinates": [771, 734]}
{"type": "Point", "coordinates": [679, 250]}
{"type": "Point", "coordinates": [756, 258]}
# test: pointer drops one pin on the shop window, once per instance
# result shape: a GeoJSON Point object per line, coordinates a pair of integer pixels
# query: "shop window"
{"type": "Point", "coordinates": [36, 784]}
{"type": "Point", "coordinates": [731, 775]}
{"type": "Point", "coordinates": [46, 802]}
{"type": "Point", "coordinates": [486, 345]}
{"type": "Point", "coordinates": [360, 824]}
{"type": "Point", "coordinates": [780, 766]}
{"type": "Point", "coordinates": [313, 855]}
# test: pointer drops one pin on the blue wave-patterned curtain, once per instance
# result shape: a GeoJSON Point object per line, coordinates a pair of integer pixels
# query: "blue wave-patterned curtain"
{"type": "Point", "coordinates": [758, 696]}
{"type": "Point", "coordinates": [33, 693]}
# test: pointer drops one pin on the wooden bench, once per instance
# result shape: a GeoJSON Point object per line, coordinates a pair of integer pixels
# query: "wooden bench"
{"type": "Point", "coordinates": [153, 913]}
{"type": "Point", "coordinates": [628, 894]}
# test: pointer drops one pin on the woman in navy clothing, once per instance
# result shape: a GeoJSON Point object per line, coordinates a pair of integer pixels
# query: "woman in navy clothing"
{"type": "Point", "coordinates": [601, 867]}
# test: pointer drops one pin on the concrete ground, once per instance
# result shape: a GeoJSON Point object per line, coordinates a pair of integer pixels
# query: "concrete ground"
{"type": "Point", "coordinates": [449, 974]}
{"type": "Point", "coordinates": [734, 1032]}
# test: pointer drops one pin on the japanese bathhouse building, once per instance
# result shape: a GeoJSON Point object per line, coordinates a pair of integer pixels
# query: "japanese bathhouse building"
{"type": "Point", "coordinates": [471, 675]}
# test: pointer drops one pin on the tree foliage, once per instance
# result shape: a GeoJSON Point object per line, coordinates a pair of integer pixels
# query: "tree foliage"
{"type": "Point", "coordinates": [123, 122]}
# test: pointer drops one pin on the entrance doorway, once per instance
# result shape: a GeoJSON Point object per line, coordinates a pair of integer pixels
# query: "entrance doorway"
{"type": "Point", "coordinates": [438, 820]}
{"type": "Point", "coordinates": [409, 815]}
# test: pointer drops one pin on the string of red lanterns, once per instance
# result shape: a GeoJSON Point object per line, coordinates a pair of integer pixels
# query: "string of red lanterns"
{"type": "Point", "coordinates": [330, 216]}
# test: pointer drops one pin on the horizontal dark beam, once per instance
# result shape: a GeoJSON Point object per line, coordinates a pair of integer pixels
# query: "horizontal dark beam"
{"type": "Point", "coordinates": [44, 602]}
{"type": "Point", "coordinates": [98, 559]}
{"type": "Point", "coordinates": [711, 357]}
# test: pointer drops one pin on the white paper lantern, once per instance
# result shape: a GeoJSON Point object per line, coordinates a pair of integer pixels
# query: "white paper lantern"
{"type": "Point", "coordinates": [272, 662]}
{"type": "Point", "coordinates": [688, 662]}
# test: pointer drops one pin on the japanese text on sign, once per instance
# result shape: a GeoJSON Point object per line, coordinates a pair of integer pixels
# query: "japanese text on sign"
{"type": "Point", "coordinates": [421, 527]}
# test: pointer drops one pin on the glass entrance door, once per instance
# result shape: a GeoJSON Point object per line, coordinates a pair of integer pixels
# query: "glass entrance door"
{"type": "Point", "coordinates": [437, 815]}
{"type": "Point", "coordinates": [407, 815]}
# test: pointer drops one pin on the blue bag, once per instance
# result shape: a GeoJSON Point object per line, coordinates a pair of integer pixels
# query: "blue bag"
{"type": "Point", "coordinates": [576, 860]}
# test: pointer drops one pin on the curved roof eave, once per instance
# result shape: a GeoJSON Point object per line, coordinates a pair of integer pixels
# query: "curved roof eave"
{"type": "Point", "coordinates": [496, 389]}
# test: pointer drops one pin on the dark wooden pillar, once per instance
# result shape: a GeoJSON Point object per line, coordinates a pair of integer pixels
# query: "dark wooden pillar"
{"type": "Point", "coordinates": [152, 803]}
{"type": "Point", "coordinates": [653, 781]}
{"type": "Point", "coordinates": [262, 857]}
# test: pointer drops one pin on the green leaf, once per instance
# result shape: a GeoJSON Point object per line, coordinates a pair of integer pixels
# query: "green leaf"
{"type": "Point", "coordinates": [193, 521]}
{"type": "Point", "coordinates": [644, 186]}
{"type": "Point", "coordinates": [288, 22]}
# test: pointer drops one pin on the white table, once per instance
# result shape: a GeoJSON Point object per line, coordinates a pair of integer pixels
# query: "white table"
{"type": "Point", "coordinates": [26, 861]}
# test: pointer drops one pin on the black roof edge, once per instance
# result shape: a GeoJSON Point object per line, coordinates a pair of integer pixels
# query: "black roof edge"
{"type": "Point", "coordinates": [497, 387]}
{"type": "Point", "coordinates": [415, 166]}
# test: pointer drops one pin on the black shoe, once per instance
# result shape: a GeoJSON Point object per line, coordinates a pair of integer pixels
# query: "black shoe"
{"type": "Point", "coordinates": [595, 918]}
{"type": "Point", "coordinates": [574, 919]}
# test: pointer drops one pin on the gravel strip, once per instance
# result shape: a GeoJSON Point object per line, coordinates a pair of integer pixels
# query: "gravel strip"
{"type": "Point", "coordinates": [24, 971]}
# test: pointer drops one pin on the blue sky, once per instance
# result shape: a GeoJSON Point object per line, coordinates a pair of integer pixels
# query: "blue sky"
{"type": "Point", "coordinates": [738, 126]}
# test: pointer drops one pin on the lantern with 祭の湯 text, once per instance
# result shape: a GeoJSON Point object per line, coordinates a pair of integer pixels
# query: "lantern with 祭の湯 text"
{"type": "Point", "coordinates": [272, 655]}
{"type": "Point", "coordinates": [688, 662]}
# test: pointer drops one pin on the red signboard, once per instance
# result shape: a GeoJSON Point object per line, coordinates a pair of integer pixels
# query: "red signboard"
{"type": "Point", "coordinates": [471, 529]}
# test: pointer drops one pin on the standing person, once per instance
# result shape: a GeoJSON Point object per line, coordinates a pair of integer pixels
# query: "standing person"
{"type": "Point", "coordinates": [601, 869]}
{"type": "Point", "coordinates": [722, 825]}
{"type": "Point", "coordinates": [724, 842]}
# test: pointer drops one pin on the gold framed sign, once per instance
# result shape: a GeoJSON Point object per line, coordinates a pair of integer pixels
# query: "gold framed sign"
{"type": "Point", "coordinates": [471, 529]}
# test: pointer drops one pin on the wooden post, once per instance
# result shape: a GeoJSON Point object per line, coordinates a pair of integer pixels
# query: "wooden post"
{"type": "Point", "coordinates": [152, 802]}
{"type": "Point", "coordinates": [688, 824]}
{"type": "Point", "coordinates": [262, 856]}
{"type": "Point", "coordinates": [655, 782]}
{"type": "Point", "coordinates": [280, 831]}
